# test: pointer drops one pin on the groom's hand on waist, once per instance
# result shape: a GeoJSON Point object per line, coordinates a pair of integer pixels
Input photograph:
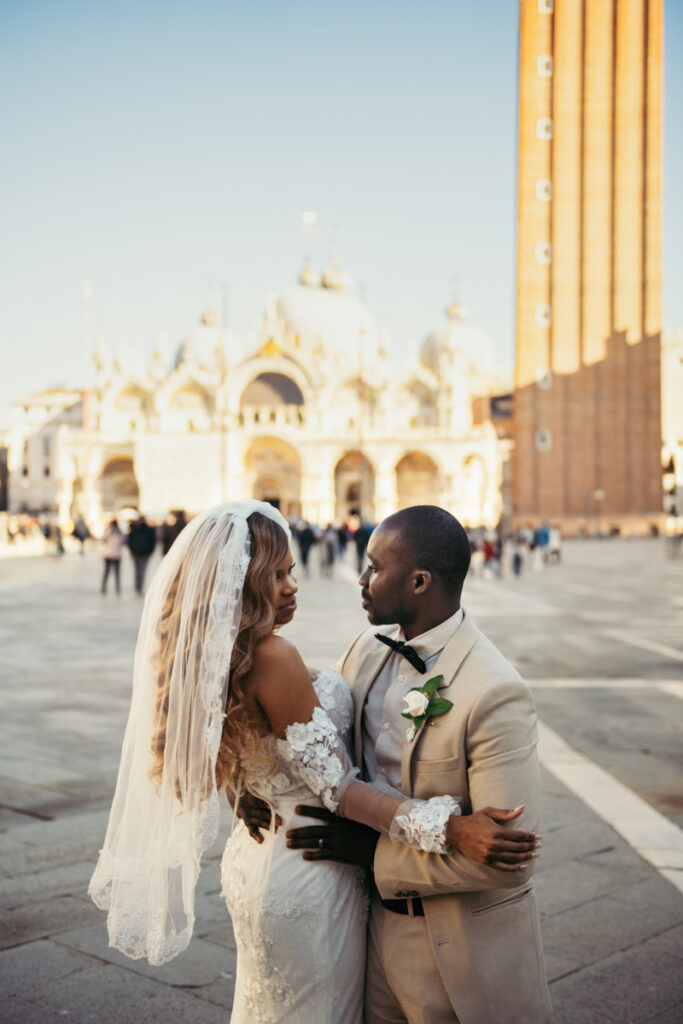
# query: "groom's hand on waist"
{"type": "Point", "coordinates": [333, 838]}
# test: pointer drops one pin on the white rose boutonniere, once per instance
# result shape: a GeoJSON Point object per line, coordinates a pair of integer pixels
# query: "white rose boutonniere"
{"type": "Point", "coordinates": [416, 703]}
{"type": "Point", "coordinates": [421, 704]}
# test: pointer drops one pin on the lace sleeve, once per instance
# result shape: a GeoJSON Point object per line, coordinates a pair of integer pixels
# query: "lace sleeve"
{"type": "Point", "coordinates": [316, 753]}
{"type": "Point", "coordinates": [423, 823]}
{"type": "Point", "coordinates": [418, 823]}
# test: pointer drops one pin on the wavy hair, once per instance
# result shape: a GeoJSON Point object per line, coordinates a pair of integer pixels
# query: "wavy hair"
{"type": "Point", "coordinates": [242, 728]}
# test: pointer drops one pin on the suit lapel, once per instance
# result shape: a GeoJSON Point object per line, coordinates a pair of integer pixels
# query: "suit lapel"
{"type": "Point", "coordinates": [447, 664]}
{"type": "Point", "coordinates": [369, 667]}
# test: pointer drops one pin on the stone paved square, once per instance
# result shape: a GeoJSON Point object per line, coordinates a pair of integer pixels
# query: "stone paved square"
{"type": "Point", "coordinates": [600, 639]}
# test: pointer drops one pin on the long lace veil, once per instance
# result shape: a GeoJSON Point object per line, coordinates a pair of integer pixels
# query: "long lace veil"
{"type": "Point", "coordinates": [165, 809]}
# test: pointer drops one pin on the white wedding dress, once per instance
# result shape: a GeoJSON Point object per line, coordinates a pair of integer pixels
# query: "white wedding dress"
{"type": "Point", "coordinates": [299, 925]}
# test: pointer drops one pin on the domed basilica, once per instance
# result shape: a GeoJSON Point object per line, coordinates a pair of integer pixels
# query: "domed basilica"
{"type": "Point", "coordinates": [313, 419]}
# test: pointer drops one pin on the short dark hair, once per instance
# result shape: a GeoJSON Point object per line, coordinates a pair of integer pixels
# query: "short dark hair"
{"type": "Point", "coordinates": [436, 540]}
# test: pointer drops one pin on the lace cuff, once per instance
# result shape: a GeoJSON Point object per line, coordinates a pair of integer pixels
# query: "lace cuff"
{"type": "Point", "coordinates": [315, 752]}
{"type": "Point", "coordinates": [422, 823]}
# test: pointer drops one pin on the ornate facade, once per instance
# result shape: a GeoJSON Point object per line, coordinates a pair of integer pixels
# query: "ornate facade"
{"type": "Point", "coordinates": [312, 419]}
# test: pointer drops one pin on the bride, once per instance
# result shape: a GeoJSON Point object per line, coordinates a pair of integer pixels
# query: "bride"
{"type": "Point", "coordinates": [221, 701]}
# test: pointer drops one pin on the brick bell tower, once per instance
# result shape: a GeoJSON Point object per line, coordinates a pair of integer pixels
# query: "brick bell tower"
{"type": "Point", "coordinates": [587, 381]}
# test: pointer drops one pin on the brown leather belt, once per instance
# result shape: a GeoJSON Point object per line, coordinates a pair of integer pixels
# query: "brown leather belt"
{"type": "Point", "coordinates": [403, 906]}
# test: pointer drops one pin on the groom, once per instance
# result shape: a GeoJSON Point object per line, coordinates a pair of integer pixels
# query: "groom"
{"type": "Point", "coordinates": [450, 939]}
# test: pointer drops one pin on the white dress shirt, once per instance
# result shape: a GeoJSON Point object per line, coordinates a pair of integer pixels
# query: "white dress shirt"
{"type": "Point", "coordinates": [384, 728]}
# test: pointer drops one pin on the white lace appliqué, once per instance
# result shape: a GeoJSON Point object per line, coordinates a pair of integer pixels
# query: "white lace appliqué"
{"type": "Point", "coordinates": [313, 749]}
{"type": "Point", "coordinates": [422, 823]}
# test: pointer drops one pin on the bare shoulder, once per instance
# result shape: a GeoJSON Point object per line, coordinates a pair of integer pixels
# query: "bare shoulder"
{"type": "Point", "coordinates": [276, 657]}
{"type": "Point", "coordinates": [280, 684]}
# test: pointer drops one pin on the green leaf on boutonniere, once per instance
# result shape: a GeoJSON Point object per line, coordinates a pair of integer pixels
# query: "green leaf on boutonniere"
{"type": "Point", "coordinates": [431, 686]}
{"type": "Point", "coordinates": [439, 706]}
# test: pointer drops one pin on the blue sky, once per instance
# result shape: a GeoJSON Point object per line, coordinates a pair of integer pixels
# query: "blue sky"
{"type": "Point", "coordinates": [162, 148]}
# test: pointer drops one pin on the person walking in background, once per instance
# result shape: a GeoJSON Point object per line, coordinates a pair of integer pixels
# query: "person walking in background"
{"type": "Point", "coordinates": [361, 538]}
{"type": "Point", "coordinates": [330, 541]}
{"type": "Point", "coordinates": [175, 523]}
{"type": "Point", "coordinates": [141, 542]}
{"type": "Point", "coordinates": [56, 533]}
{"type": "Point", "coordinates": [112, 546]}
{"type": "Point", "coordinates": [81, 532]}
{"type": "Point", "coordinates": [307, 540]}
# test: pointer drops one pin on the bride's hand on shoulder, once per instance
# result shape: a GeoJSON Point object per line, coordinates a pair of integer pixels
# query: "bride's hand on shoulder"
{"type": "Point", "coordinates": [485, 837]}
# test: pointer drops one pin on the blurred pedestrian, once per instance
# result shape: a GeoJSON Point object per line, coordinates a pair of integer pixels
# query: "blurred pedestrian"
{"type": "Point", "coordinates": [307, 539]}
{"type": "Point", "coordinates": [330, 543]}
{"type": "Point", "coordinates": [141, 542]}
{"type": "Point", "coordinates": [361, 538]}
{"type": "Point", "coordinates": [175, 524]}
{"type": "Point", "coordinates": [342, 539]}
{"type": "Point", "coordinates": [518, 555]}
{"type": "Point", "coordinates": [81, 532]}
{"type": "Point", "coordinates": [56, 534]}
{"type": "Point", "coordinates": [554, 544]}
{"type": "Point", "coordinates": [113, 543]}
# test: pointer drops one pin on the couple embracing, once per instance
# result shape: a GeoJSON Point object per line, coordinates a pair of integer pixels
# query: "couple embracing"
{"type": "Point", "coordinates": [404, 777]}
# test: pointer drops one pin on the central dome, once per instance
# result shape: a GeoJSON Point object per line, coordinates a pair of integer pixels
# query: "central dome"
{"type": "Point", "coordinates": [331, 320]}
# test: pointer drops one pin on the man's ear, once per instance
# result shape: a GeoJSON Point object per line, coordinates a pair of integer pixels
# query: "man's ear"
{"type": "Point", "coordinates": [422, 581]}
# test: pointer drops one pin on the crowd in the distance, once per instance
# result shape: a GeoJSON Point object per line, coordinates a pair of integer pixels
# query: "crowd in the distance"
{"type": "Point", "coordinates": [495, 555]}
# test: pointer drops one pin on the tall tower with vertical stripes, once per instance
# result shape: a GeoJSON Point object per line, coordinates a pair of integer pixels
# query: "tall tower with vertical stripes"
{"type": "Point", "coordinates": [587, 387]}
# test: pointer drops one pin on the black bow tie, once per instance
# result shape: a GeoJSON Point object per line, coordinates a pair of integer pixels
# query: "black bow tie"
{"type": "Point", "coordinates": [405, 650]}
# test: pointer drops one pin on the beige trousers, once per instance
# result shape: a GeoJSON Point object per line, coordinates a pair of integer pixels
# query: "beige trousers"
{"type": "Point", "coordinates": [403, 984]}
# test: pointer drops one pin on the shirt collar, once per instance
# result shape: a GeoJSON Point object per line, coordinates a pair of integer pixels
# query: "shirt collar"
{"type": "Point", "coordinates": [435, 639]}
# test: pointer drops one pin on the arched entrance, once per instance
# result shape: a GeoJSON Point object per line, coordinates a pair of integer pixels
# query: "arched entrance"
{"type": "Point", "coordinates": [119, 485]}
{"type": "Point", "coordinates": [354, 487]}
{"type": "Point", "coordinates": [274, 474]}
{"type": "Point", "coordinates": [417, 480]}
{"type": "Point", "coordinates": [272, 398]}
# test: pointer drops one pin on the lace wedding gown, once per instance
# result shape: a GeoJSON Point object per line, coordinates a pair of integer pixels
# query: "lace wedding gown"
{"type": "Point", "coordinates": [299, 925]}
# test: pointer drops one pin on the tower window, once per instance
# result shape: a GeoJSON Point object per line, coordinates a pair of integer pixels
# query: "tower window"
{"type": "Point", "coordinates": [544, 128]}
{"type": "Point", "coordinates": [544, 440]}
{"type": "Point", "coordinates": [545, 6]}
{"type": "Point", "coordinates": [544, 253]}
{"type": "Point", "coordinates": [542, 316]}
{"type": "Point", "coordinates": [544, 66]}
{"type": "Point", "coordinates": [544, 378]}
{"type": "Point", "coordinates": [544, 190]}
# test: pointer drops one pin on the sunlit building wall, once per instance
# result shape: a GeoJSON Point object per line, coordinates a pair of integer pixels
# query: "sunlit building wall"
{"type": "Point", "coordinates": [587, 388]}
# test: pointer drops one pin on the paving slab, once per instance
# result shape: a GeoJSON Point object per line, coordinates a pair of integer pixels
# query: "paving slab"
{"type": "Point", "coordinates": [605, 926]}
{"type": "Point", "coordinates": [45, 918]}
{"type": "Point", "coordinates": [107, 992]}
{"type": "Point", "coordinates": [33, 968]}
{"type": "Point", "coordinates": [199, 965]}
{"type": "Point", "coordinates": [627, 987]}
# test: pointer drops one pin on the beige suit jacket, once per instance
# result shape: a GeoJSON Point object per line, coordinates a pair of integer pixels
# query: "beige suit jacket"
{"type": "Point", "coordinates": [483, 924]}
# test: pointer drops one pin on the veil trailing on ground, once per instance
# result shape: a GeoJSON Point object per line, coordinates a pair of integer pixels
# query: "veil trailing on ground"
{"type": "Point", "coordinates": [165, 809]}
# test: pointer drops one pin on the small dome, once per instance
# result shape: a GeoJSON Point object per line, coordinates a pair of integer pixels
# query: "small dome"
{"type": "Point", "coordinates": [201, 348]}
{"type": "Point", "coordinates": [331, 316]}
{"type": "Point", "coordinates": [454, 334]}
